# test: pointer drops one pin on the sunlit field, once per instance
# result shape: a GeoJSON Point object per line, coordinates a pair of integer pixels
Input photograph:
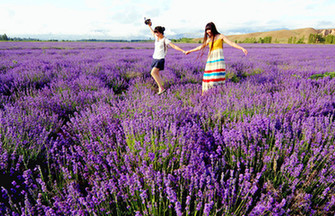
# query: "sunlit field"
{"type": "Point", "coordinates": [83, 131]}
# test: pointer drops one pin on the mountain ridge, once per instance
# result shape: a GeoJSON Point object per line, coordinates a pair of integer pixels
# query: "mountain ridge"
{"type": "Point", "coordinates": [281, 36]}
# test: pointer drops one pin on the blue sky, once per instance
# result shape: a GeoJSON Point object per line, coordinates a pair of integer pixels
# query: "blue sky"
{"type": "Point", "coordinates": [123, 19]}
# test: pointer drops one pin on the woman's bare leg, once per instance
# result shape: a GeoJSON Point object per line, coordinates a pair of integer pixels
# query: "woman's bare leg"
{"type": "Point", "coordinates": [157, 77]}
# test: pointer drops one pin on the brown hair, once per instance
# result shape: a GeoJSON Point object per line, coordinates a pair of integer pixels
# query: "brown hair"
{"type": "Point", "coordinates": [159, 29]}
{"type": "Point", "coordinates": [209, 26]}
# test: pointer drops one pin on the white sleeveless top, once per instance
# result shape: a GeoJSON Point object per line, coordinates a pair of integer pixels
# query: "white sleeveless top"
{"type": "Point", "coordinates": [160, 50]}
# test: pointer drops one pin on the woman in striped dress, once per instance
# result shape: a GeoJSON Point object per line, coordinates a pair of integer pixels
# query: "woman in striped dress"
{"type": "Point", "coordinates": [215, 69]}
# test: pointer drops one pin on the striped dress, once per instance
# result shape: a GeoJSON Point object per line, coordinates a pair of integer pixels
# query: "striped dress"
{"type": "Point", "coordinates": [215, 69]}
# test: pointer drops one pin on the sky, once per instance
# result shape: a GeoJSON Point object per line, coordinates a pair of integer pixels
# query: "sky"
{"type": "Point", "coordinates": [124, 19]}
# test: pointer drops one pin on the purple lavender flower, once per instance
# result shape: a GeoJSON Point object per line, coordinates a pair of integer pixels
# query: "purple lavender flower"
{"type": "Point", "coordinates": [83, 132]}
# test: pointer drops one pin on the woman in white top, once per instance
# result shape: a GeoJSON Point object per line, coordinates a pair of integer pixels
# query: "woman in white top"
{"type": "Point", "coordinates": [158, 62]}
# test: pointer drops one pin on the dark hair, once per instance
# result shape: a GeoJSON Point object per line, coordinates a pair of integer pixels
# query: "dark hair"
{"type": "Point", "coordinates": [210, 26]}
{"type": "Point", "coordinates": [159, 29]}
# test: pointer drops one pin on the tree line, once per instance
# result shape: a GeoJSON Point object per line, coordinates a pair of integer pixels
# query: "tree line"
{"type": "Point", "coordinates": [312, 39]}
{"type": "Point", "coordinates": [316, 38]}
{"type": "Point", "coordinates": [254, 40]}
{"type": "Point", "coordinates": [4, 37]}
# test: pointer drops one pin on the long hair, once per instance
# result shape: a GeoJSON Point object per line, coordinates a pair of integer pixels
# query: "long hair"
{"type": "Point", "coordinates": [209, 26]}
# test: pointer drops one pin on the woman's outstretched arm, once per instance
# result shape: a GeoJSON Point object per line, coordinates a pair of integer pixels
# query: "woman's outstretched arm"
{"type": "Point", "coordinates": [176, 47]}
{"type": "Point", "coordinates": [225, 39]}
{"type": "Point", "coordinates": [195, 49]}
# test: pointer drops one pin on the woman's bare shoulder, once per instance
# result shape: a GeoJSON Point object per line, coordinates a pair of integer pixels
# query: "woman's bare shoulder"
{"type": "Point", "coordinates": [222, 36]}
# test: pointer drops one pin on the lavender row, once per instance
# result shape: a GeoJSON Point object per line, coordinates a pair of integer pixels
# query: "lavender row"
{"type": "Point", "coordinates": [84, 133]}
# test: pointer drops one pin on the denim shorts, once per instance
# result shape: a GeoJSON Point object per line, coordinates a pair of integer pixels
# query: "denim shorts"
{"type": "Point", "coordinates": [158, 63]}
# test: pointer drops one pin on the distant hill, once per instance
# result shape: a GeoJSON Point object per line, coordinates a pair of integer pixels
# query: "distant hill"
{"type": "Point", "coordinates": [281, 36]}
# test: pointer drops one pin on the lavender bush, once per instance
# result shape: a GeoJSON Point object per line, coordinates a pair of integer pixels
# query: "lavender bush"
{"type": "Point", "coordinates": [83, 131]}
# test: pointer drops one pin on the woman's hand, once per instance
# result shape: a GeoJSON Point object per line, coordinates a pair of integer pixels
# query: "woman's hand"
{"type": "Point", "coordinates": [245, 51]}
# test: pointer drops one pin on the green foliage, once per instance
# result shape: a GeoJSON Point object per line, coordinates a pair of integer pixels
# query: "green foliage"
{"type": "Point", "coordinates": [316, 38]}
{"type": "Point", "coordinates": [4, 37]}
{"type": "Point", "coordinates": [249, 40]}
{"type": "Point", "coordinates": [254, 40]}
{"type": "Point", "coordinates": [330, 39]}
{"type": "Point", "coordinates": [301, 40]}
{"type": "Point", "coordinates": [265, 40]}
{"type": "Point", "coordinates": [294, 40]}
{"type": "Point", "coordinates": [327, 74]}
{"type": "Point", "coordinates": [312, 39]}
{"type": "Point", "coordinates": [183, 40]}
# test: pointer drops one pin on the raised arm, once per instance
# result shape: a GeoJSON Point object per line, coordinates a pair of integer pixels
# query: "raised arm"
{"type": "Point", "coordinates": [225, 39]}
{"type": "Point", "coordinates": [152, 31]}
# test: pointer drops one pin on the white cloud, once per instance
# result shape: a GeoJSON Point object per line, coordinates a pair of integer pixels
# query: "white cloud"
{"type": "Point", "coordinates": [124, 19]}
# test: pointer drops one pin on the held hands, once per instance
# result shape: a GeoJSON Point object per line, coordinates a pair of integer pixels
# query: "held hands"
{"type": "Point", "coordinates": [189, 51]}
{"type": "Point", "coordinates": [186, 52]}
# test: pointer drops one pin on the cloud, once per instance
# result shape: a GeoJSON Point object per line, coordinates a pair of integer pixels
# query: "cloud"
{"type": "Point", "coordinates": [127, 16]}
{"type": "Point", "coordinates": [124, 19]}
{"type": "Point", "coordinates": [325, 24]}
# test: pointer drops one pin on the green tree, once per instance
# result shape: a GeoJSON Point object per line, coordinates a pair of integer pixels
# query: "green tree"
{"type": "Point", "coordinates": [267, 39]}
{"type": "Point", "coordinates": [312, 38]}
{"type": "Point", "coordinates": [4, 37]}
{"type": "Point", "coordinates": [330, 39]}
{"type": "Point", "coordinates": [301, 40]}
{"type": "Point", "coordinates": [320, 39]}
{"type": "Point", "coordinates": [249, 40]}
{"type": "Point", "coordinates": [295, 40]}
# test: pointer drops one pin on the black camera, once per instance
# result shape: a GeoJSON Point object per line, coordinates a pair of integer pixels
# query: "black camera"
{"type": "Point", "coordinates": [147, 21]}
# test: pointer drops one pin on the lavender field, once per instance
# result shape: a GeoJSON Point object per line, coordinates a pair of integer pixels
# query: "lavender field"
{"type": "Point", "coordinates": [83, 132]}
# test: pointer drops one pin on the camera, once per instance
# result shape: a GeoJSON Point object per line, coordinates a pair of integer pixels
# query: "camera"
{"type": "Point", "coordinates": [147, 21]}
